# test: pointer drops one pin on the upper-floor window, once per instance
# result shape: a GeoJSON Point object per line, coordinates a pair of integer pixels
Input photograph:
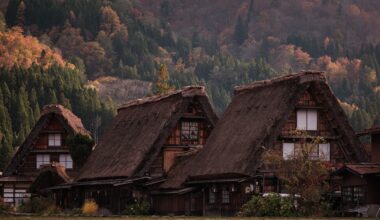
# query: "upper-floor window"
{"type": "Point", "coordinates": [55, 140]}
{"type": "Point", "coordinates": [42, 159]}
{"type": "Point", "coordinates": [307, 119]}
{"type": "Point", "coordinates": [315, 151]}
{"type": "Point", "coordinates": [66, 161]}
{"type": "Point", "coordinates": [189, 131]}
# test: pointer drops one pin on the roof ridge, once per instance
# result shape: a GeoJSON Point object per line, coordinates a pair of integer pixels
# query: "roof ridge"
{"type": "Point", "coordinates": [303, 76]}
{"type": "Point", "coordinates": [187, 91]}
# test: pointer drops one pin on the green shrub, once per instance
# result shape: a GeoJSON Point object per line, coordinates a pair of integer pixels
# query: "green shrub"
{"type": "Point", "coordinates": [4, 207]}
{"type": "Point", "coordinates": [271, 205]}
{"type": "Point", "coordinates": [39, 205]}
{"type": "Point", "coordinates": [137, 208]}
{"type": "Point", "coordinates": [80, 148]}
{"type": "Point", "coordinates": [76, 212]}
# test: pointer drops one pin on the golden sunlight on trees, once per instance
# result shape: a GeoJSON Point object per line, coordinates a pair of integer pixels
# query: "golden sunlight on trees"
{"type": "Point", "coordinates": [19, 50]}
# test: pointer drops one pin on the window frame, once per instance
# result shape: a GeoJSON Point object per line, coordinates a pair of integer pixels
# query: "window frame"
{"type": "Point", "coordinates": [53, 141]}
{"type": "Point", "coordinates": [308, 125]}
{"type": "Point", "coordinates": [357, 197]}
{"type": "Point", "coordinates": [290, 153]}
{"type": "Point", "coordinates": [226, 196]}
{"type": "Point", "coordinates": [189, 130]}
{"type": "Point", "coordinates": [317, 154]}
{"type": "Point", "coordinates": [211, 199]}
{"type": "Point", "coordinates": [66, 161]}
{"type": "Point", "coordinates": [44, 161]}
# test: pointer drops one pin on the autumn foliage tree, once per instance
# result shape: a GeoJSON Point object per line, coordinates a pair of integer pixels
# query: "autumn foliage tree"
{"type": "Point", "coordinates": [161, 84]}
{"type": "Point", "coordinates": [23, 51]}
{"type": "Point", "coordinates": [304, 173]}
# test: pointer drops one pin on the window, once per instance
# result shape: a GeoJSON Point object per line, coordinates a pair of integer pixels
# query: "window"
{"type": "Point", "coordinates": [66, 161]}
{"type": "Point", "coordinates": [211, 197]}
{"type": "Point", "coordinates": [313, 151]}
{"type": "Point", "coordinates": [189, 131]}
{"type": "Point", "coordinates": [353, 194]}
{"type": "Point", "coordinates": [324, 152]}
{"type": "Point", "coordinates": [320, 151]}
{"type": "Point", "coordinates": [54, 140]}
{"type": "Point", "coordinates": [225, 195]}
{"type": "Point", "coordinates": [307, 119]}
{"type": "Point", "coordinates": [15, 195]}
{"type": "Point", "coordinates": [288, 151]}
{"type": "Point", "coordinates": [42, 159]}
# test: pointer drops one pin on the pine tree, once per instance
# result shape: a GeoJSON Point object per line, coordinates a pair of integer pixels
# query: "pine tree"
{"type": "Point", "coordinates": [250, 11]}
{"type": "Point", "coordinates": [5, 153]}
{"type": "Point", "coordinates": [241, 31]}
{"type": "Point", "coordinates": [3, 26]}
{"type": "Point", "coordinates": [36, 111]}
{"type": "Point", "coordinates": [21, 14]}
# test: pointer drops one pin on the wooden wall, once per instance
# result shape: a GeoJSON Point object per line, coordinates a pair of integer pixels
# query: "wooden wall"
{"type": "Point", "coordinates": [40, 146]}
{"type": "Point", "coordinates": [375, 148]}
{"type": "Point", "coordinates": [325, 128]}
{"type": "Point", "coordinates": [175, 145]}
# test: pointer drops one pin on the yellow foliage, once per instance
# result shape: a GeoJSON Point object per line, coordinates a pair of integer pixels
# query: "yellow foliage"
{"type": "Point", "coordinates": [19, 50]}
{"type": "Point", "coordinates": [90, 207]}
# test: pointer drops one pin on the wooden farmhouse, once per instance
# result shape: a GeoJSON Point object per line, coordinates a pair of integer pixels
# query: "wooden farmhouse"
{"type": "Point", "coordinates": [263, 115]}
{"type": "Point", "coordinates": [43, 148]}
{"type": "Point", "coordinates": [139, 148]}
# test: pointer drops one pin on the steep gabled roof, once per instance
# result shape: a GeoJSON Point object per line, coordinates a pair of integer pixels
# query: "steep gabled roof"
{"type": "Point", "coordinates": [252, 122]}
{"type": "Point", "coordinates": [138, 132]}
{"type": "Point", "coordinates": [71, 122]}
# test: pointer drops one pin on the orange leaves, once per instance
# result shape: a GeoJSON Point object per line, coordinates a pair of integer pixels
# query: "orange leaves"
{"type": "Point", "coordinates": [19, 50]}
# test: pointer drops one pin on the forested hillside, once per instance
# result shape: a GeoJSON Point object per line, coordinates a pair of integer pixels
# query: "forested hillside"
{"type": "Point", "coordinates": [63, 51]}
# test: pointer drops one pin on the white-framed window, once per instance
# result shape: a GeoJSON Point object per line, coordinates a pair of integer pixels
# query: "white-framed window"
{"type": "Point", "coordinates": [55, 140]}
{"type": "Point", "coordinates": [324, 152]}
{"type": "Point", "coordinates": [66, 160]}
{"type": "Point", "coordinates": [42, 159]}
{"type": "Point", "coordinates": [225, 195]}
{"type": "Point", "coordinates": [288, 151]}
{"type": "Point", "coordinates": [320, 151]}
{"type": "Point", "coordinates": [307, 119]}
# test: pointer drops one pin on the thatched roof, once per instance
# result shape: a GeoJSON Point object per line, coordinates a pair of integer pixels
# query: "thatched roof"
{"type": "Point", "coordinates": [252, 122]}
{"type": "Point", "coordinates": [70, 118]}
{"type": "Point", "coordinates": [70, 121]}
{"type": "Point", "coordinates": [138, 132]}
{"type": "Point", "coordinates": [48, 176]}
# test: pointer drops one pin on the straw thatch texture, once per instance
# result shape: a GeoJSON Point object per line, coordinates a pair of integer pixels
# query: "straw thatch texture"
{"type": "Point", "coordinates": [71, 122]}
{"type": "Point", "coordinates": [252, 123]}
{"type": "Point", "coordinates": [138, 133]}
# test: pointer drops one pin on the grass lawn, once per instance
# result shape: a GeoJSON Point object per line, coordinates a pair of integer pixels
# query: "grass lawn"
{"type": "Point", "coordinates": [146, 218]}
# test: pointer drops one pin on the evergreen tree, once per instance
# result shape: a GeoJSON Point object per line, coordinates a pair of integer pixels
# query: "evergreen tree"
{"type": "Point", "coordinates": [21, 14]}
{"type": "Point", "coordinates": [2, 23]}
{"type": "Point", "coordinates": [241, 31]}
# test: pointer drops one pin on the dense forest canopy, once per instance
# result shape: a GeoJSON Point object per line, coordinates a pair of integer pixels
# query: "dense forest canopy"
{"type": "Point", "coordinates": [61, 51]}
